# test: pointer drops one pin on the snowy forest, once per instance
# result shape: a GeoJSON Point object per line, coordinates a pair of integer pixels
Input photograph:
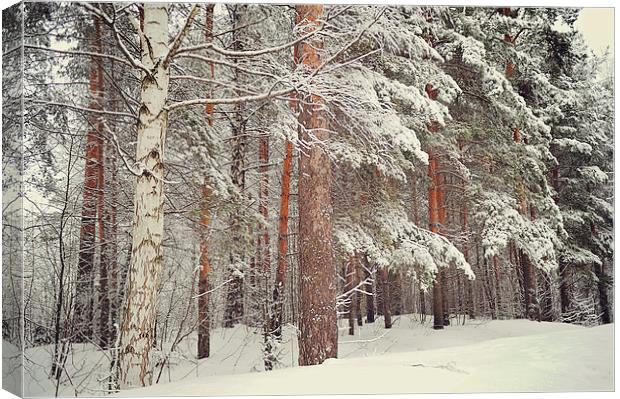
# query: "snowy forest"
{"type": "Point", "coordinates": [194, 191]}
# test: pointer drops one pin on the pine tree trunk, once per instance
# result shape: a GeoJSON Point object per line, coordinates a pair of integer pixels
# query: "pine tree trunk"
{"type": "Point", "coordinates": [529, 286]}
{"type": "Point", "coordinates": [83, 318]}
{"type": "Point", "coordinates": [204, 349]}
{"type": "Point", "coordinates": [318, 335]}
{"type": "Point", "coordinates": [529, 275]}
{"type": "Point", "coordinates": [433, 209]}
{"type": "Point", "coordinates": [546, 311]}
{"type": "Point", "coordinates": [603, 298]}
{"type": "Point", "coordinates": [396, 292]}
{"type": "Point", "coordinates": [278, 293]}
{"type": "Point", "coordinates": [385, 293]}
{"type": "Point", "coordinates": [203, 276]}
{"type": "Point", "coordinates": [143, 277]}
{"type": "Point", "coordinates": [379, 294]}
{"type": "Point", "coordinates": [349, 271]}
{"type": "Point", "coordinates": [370, 297]}
{"type": "Point", "coordinates": [498, 286]}
{"type": "Point", "coordinates": [104, 330]}
{"type": "Point", "coordinates": [358, 294]}
{"type": "Point", "coordinates": [564, 287]}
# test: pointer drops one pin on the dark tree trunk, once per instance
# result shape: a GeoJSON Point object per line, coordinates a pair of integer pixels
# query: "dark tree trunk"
{"type": "Point", "coordinates": [203, 276]}
{"type": "Point", "coordinates": [385, 293]}
{"type": "Point", "coordinates": [547, 299]}
{"type": "Point", "coordinates": [350, 279]}
{"type": "Point", "coordinates": [234, 297]}
{"type": "Point", "coordinates": [498, 285]}
{"type": "Point", "coordinates": [370, 297]}
{"type": "Point", "coordinates": [445, 302]}
{"type": "Point", "coordinates": [603, 299]}
{"type": "Point", "coordinates": [379, 294]}
{"type": "Point", "coordinates": [529, 288]}
{"type": "Point", "coordinates": [437, 306]}
{"type": "Point", "coordinates": [396, 292]}
{"type": "Point", "coordinates": [204, 344]}
{"type": "Point", "coordinates": [564, 288]}
{"type": "Point", "coordinates": [423, 305]}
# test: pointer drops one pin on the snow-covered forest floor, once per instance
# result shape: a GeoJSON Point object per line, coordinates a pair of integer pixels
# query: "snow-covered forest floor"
{"type": "Point", "coordinates": [480, 356]}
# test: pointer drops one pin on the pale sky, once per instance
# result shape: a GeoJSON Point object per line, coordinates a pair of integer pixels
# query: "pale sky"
{"type": "Point", "coordinates": [597, 26]}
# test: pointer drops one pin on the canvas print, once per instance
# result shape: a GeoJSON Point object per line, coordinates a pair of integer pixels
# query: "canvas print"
{"type": "Point", "coordinates": [257, 199]}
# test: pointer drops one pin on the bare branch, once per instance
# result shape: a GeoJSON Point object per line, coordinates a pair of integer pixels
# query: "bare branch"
{"type": "Point", "coordinates": [176, 43]}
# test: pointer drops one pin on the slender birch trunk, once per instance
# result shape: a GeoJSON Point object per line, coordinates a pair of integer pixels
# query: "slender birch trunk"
{"type": "Point", "coordinates": [135, 368]}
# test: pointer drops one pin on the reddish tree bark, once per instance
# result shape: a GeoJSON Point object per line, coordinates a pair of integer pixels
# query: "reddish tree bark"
{"type": "Point", "coordinates": [83, 311]}
{"type": "Point", "coordinates": [287, 168]}
{"type": "Point", "coordinates": [433, 221]}
{"type": "Point", "coordinates": [318, 335]}
{"type": "Point", "coordinates": [434, 198]}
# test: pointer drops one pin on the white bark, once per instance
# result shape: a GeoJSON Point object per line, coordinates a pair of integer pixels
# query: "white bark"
{"type": "Point", "coordinates": [143, 277]}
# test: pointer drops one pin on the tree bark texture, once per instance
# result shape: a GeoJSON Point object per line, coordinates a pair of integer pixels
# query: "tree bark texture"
{"type": "Point", "coordinates": [433, 209]}
{"type": "Point", "coordinates": [318, 335]}
{"type": "Point", "coordinates": [83, 320]}
{"type": "Point", "coordinates": [143, 276]}
{"type": "Point", "coordinates": [204, 349]}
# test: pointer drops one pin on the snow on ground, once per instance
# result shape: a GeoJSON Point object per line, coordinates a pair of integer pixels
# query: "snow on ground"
{"type": "Point", "coordinates": [482, 355]}
{"type": "Point", "coordinates": [497, 356]}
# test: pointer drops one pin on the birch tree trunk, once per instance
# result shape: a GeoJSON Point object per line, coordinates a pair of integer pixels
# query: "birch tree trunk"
{"type": "Point", "coordinates": [318, 334]}
{"type": "Point", "coordinates": [146, 258]}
